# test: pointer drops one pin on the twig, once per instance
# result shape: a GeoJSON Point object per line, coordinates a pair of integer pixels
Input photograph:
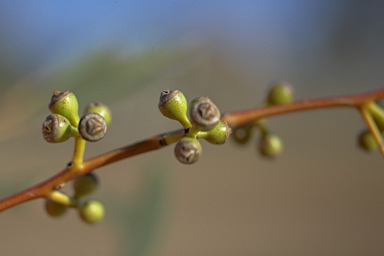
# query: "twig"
{"type": "Point", "coordinates": [234, 119]}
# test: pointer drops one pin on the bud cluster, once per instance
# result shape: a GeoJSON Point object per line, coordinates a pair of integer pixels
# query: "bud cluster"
{"type": "Point", "coordinates": [366, 139]}
{"type": "Point", "coordinates": [268, 144]}
{"type": "Point", "coordinates": [62, 124]}
{"type": "Point", "coordinates": [90, 211]}
{"type": "Point", "coordinates": [204, 122]}
{"type": "Point", "coordinates": [65, 122]}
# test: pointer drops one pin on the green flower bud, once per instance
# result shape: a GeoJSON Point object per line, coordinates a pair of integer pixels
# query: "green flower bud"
{"type": "Point", "coordinates": [217, 135]}
{"type": "Point", "coordinates": [91, 211]}
{"type": "Point", "coordinates": [54, 209]}
{"type": "Point", "coordinates": [188, 150]}
{"type": "Point", "coordinates": [367, 141]}
{"type": "Point", "coordinates": [65, 104]}
{"type": "Point", "coordinates": [101, 109]}
{"type": "Point", "coordinates": [270, 145]}
{"type": "Point", "coordinates": [56, 129]}
{"type": "Point", "coordinates": [85, 185]}
{"type": "Point", "coordinates": [173, 104]}
{"type": "Point", "coordinates": [204, 114]}
{"type": "Point", "coordinates": [280, 93]}
{"type": "Point", "coordinates": [92, 127]}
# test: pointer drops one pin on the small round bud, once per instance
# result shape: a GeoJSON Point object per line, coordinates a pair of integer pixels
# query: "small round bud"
{"type": "Point", "coordinates": [367, 141]}
{"type": "Point", "coordinates": [56, 129]}
{"type": "Point", "coordinates": [92, 127]}
{"type": "Point", "coordinates": [65, 104]}
{"type": "Point", "coordinates": [188, 150]}
{"type": "Point", "coordinates": [280, 93]}
{"type": "Point", "coordinates": [270, 145]}
{"type": "Point", "coordinates": [85, 185]}
{"type": "Point", "coordinates": [204, 114]}
{"type": "Point", "coordinates": [54, 209]}
{"type": "Point", "coordinates": [217, 135]}
{"type": "Point", "coordinates": [173, 104]}
{"type": "Point", "coordinates": [101, 109]}
{"type": "Point", "coordinates": [91, 211]}
{"type": "Point", "coordinates": [242, 134]}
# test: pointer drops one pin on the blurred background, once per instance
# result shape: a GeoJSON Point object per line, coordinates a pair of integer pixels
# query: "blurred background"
{"type": "Point", "coordinates": [322, 196]}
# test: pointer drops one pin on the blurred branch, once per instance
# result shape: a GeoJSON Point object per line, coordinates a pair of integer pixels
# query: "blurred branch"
{"type": "Point", "coordinates": [234, 119]}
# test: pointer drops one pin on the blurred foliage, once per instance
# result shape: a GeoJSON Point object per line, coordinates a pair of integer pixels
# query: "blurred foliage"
{"type": "Point", "coordinates": [137, 219]}
{"type": "Point", "coordinates": [100, 71]}
{"type": "Point", "coordinates": [92, 76]}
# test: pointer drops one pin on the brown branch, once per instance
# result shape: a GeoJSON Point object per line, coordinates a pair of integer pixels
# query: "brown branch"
{"type": "Point", "coordinates": [240, 118]}
{"type": "Point", "coordinates": [233, 119]}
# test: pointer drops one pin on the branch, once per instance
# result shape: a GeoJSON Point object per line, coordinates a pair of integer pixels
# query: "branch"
{"type": "Point", "coordinates": [233, 119]}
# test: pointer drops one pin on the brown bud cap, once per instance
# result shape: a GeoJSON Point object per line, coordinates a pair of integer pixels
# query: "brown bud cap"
{"type": "Point", "coordinates": [188, 150]}
{"type": "Point", "coordinates": [101, 109]}
{"type": "Point", "coordinates": [56, 129]}
{"type": "Point", "coordinates": [204, 114]}
{"type": "Point", "coordinates": [92, 127]}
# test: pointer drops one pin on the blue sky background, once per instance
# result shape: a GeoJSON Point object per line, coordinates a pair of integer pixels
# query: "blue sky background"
{"type": "Point", "coordinates": [49, 30]}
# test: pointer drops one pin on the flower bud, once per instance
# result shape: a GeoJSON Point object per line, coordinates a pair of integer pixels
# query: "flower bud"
{"type": "Point", "coordinates": [65, 104]}
{"type": "Point", "coordinates": [92, 127]}
{"type": "Point", "coordinates": [91, 211]}
{"type": "Point", "coordinates": [188, 150]}
{"type": "Point", "coordinates": [218, 135]}
{"type": "Point", "coordinates": [101, 109]}
{"type": "Point", "coordinates": [270, 145]}
{"type": "Point", "coordinates": [85, 185]}
{"type": "Point", "coordinates": [367, 141]}
{"type": "Point", "coordinates": [280, 93]}
{"type": "Point", "coordinates": [57, 128]}
{"type": "Point", "coordinates": [204, 114]}
{"type": "Point", "coordinates": [173, 104]}
{"type": "Point", "coordinates": [54, 209]}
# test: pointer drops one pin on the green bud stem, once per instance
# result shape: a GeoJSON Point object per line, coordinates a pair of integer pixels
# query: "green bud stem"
{"type": "Point", "coordinates": [218, 135]}
{"type": "Point", "coordinates": [377, 113]}
{"type": "Point", "coordinates": [262, 126]}
{"type": "Point", "coordinates": [61, 198]}
{"type": "Point", "coordinates": [78, 153]}
{"type": "Point", "coordinates": [372, 127]}
{"type": "Point", "coordinates": [173, 137]}
{"type": "Point", "coordinates": [193, 131]}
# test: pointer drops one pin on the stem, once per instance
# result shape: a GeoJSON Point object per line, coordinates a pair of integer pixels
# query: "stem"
{"type": "Point", "coordinates": [243, 117]}
{"type": "Point", "coordinates": [61, 198]}
{"type": "Point", "coordinates": [233, 119]}
{"type": "Point", "coordinates": [376, 112]}
{"type": "Point", "coordinates": [373, 128]}
{"type": "Point", "coordinates": [78, 153]}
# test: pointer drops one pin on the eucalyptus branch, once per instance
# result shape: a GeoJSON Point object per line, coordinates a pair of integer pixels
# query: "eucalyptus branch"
{"type": "Point", "coordinates": [372, 114]}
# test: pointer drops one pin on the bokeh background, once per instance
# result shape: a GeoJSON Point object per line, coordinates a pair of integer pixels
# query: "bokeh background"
{"type": "Point", "coordinates": [322, 196]}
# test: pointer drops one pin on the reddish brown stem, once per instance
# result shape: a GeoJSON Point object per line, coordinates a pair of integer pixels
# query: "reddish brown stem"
{"type": "Point", "coordinates": [240, 118]}
{"type": "Point", "coordinates": [233, 119]}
